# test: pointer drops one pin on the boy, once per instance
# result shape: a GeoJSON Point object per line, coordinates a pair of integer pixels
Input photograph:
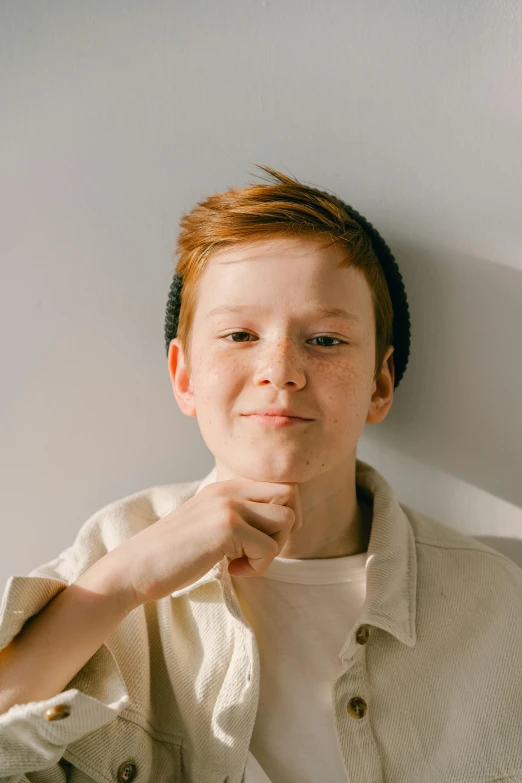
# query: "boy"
{"type": "Point", "coordinates": [285, 618]}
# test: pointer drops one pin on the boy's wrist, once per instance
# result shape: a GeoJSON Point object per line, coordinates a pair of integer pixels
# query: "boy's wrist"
{"type": "Point", "coordinates": [106, 577]}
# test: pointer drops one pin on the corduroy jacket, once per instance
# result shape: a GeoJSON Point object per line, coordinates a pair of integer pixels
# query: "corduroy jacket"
{"type": "Point", "coordinates": [430, 690]}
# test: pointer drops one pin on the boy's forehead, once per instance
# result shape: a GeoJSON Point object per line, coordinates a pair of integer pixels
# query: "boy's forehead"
{"type": "Point", "coordinates": [230, 269]}
{"type": "Point", "coordinates": [224, 292]}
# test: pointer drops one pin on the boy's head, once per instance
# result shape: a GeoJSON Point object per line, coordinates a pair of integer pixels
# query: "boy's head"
{"type": "Point", "coordinates": [284, 253]}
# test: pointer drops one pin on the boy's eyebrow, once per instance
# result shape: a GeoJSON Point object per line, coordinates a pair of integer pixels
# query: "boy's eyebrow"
{"type": "Point", "coordinates": [321, 312]}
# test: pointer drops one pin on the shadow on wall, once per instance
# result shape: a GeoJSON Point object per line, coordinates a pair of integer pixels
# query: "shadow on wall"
{"type": "Point", "coordinates": [458, 407]}
{"type": "Point", "coordinates": [510, 547]}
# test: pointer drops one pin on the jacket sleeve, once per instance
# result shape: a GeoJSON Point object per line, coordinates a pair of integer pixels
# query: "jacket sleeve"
{"type": "Point", "coordinates": [34, 736]}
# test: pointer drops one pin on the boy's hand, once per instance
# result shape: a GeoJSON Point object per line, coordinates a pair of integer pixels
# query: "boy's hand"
{"type": "Point", "coordinates": [248, 521]}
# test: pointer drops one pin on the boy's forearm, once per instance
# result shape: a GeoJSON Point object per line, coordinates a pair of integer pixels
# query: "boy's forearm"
{"type": "Point", "coordinates": [56, 643]}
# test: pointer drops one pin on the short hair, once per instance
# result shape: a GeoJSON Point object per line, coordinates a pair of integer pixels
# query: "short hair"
{"type": "Point", "coordinates": [287, 209]}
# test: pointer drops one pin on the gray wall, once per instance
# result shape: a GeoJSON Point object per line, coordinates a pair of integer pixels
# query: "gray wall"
{"type": "Point", "coordinates": [116, 117]}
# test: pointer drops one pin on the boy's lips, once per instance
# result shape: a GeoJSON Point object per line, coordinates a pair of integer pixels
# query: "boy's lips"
{"type": "Point", "coordinates": [285, 412]}
{"type": "Point", "coordinates": [276, 421]}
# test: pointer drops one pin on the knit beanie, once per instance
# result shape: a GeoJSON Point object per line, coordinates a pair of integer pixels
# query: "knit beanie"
{"type": "Point", "coordinates": [401, 314]}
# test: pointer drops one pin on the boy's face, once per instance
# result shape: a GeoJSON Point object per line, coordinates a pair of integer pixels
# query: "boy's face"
{"type": "Point", "coordinates": [280, 362]}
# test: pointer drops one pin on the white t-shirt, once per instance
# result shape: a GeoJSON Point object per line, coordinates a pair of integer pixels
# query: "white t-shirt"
{"type": "Point", "coordinates": [302, 612]}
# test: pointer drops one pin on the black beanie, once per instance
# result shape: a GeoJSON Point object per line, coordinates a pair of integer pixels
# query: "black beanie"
{"type": "Point", "coordinates": [401, 314]}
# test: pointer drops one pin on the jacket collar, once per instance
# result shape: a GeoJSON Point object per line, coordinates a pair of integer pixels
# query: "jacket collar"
{"type": "Point", "coordinates": [391, 563]}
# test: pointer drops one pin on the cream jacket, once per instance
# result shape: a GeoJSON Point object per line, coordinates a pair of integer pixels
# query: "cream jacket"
{"type": "Point", "coordinates": [430, 691]}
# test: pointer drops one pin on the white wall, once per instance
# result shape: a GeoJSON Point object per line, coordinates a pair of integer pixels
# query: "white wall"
{"type": "Point", "coordinates": [116, 117]}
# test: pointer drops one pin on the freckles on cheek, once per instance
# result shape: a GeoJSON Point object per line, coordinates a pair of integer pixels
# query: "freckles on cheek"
{"type": "Point", "coordinates": [216, 379]}
{"type": "Point", "coordinates": [226, 367]}
{"type": "Point", "coordinates": [344, 382]}
{"type": "Point", "coordinates": [344, 391]}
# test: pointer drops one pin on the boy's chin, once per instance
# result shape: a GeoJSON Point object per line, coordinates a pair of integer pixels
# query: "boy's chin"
{"type": "Point", "coordinates": [285, 474]}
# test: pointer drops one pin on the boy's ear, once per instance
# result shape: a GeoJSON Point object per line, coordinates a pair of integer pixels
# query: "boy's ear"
{"type": "Point", "coordinates": [180, 379]}
{"type": "Point", "coordinates": [382, 397]}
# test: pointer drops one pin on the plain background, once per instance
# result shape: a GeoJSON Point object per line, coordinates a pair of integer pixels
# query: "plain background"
{"type": "Point", "coordinates": [117, 117]}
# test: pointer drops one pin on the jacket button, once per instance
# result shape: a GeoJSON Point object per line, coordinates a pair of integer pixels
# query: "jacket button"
{"type": "Point", "coordinates": [357, 707]}
{"type": "Point", "coordinates": [362, 634]}
{"type": "Point", "coordinates": [58, 712]}
{"type": "Point", "coordinates": [126, 772]}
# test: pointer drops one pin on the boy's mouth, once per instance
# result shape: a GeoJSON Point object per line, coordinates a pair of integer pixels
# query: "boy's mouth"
{"type": "Point", "coordinates": [275, 421]}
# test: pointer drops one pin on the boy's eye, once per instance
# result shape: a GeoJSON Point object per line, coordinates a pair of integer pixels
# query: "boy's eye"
{"type": "Point", "coordinates": [328, 337]}
{"type": "Point", "coordinates": [234, 333]}
{"type": "Point", "coordinates": [319, 337]}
